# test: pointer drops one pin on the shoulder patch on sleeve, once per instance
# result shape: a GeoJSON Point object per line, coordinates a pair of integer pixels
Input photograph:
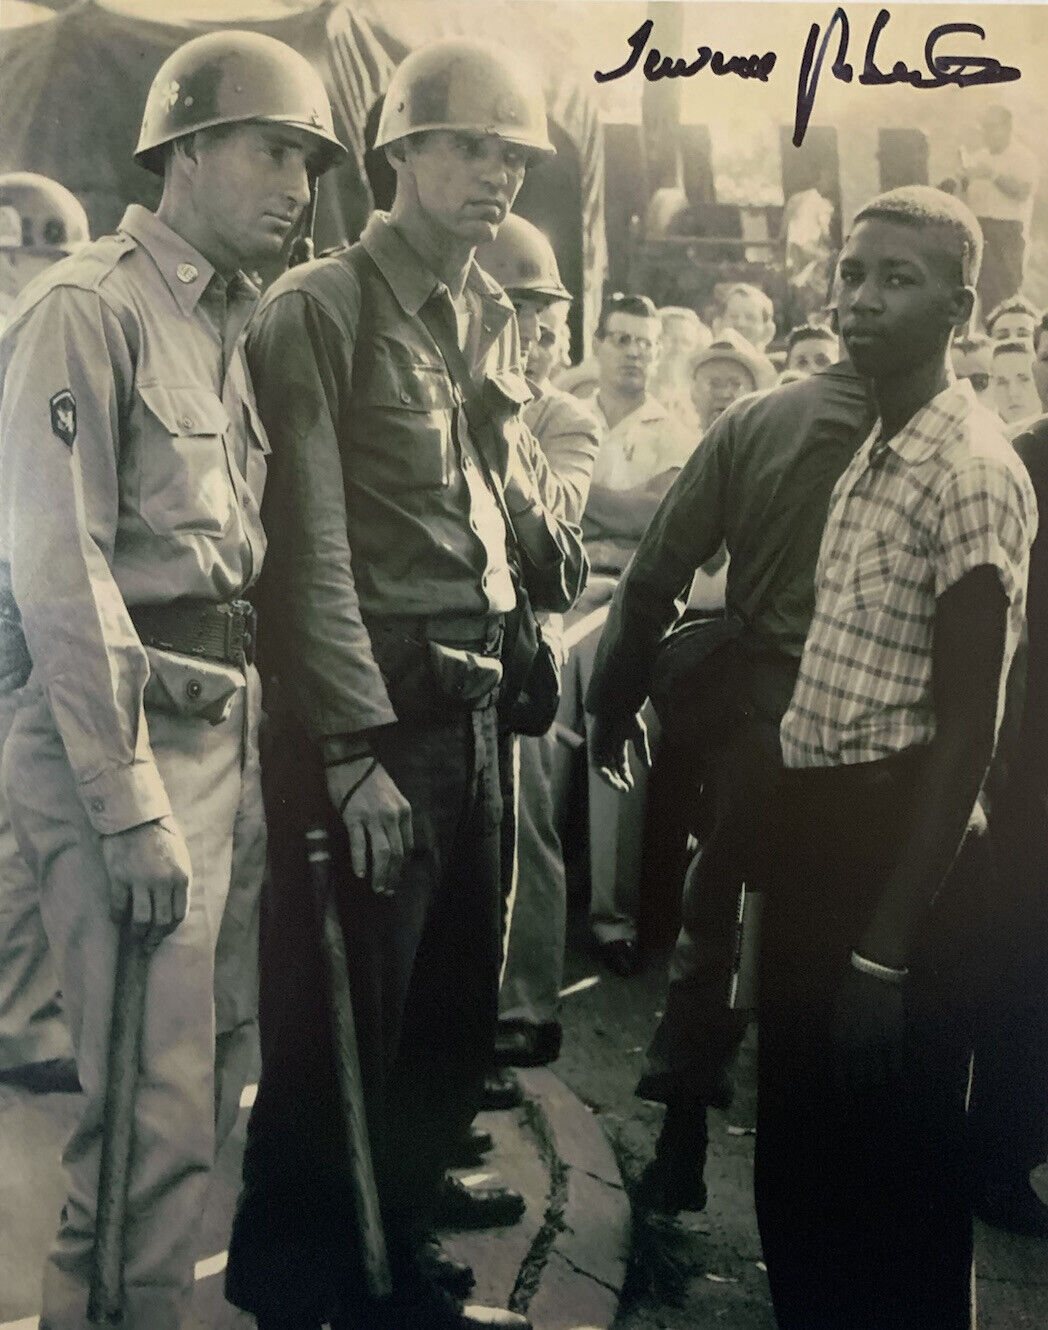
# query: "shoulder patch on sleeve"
{"type": "Point", "coordinates": [63, 416]}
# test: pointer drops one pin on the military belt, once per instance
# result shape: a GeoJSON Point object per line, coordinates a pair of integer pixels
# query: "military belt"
{"type": "Point", "coordinates": [460, 630]}
{"type": "Point", "coordinates": [222, 632]}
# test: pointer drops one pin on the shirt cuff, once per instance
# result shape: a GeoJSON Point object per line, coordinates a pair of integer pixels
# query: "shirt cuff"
{"type": "Point", "coordinates": [125, 797]}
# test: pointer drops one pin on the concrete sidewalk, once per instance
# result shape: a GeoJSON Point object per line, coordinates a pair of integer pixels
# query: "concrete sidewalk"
{"type": "Point", "coordinates": [563, 1264]}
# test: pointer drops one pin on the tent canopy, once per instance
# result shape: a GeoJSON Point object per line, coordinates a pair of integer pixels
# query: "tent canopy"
{"type": "Point", "coordinates": [74, 77]}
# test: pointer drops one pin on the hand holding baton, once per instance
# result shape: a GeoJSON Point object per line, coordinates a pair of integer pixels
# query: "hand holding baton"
{"type": "Point", "coordinates": [347, 1061]}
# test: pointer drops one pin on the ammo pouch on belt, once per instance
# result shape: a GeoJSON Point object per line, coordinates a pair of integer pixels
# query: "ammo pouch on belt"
{"type": "Point", "coordinates": [181, 685]}
{"type": "Point", "coordinates": [422, 676]}
{"type": "Point", "coordinates": [463, 675]}
{"type": "Point", "coordinates": [531, 671]}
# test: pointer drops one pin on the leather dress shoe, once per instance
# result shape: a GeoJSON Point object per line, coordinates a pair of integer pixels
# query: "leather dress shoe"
{"type": "Point", "coordinates": [54, 1076]}
{"type": "Point", "coordinates": [461, 1207]}
{"type": "Point", "coordinates": [439, 1267]}
{"type": "Point", "coordinates": [526, 1044]}
{"type": "Point", "coordinates": [501, 1090]}
{"type": "Point", "coordinates": [471, 1149]}
{"type": "Point", "coordinates": [621, 956]}
{"type": "Point", "coordinates": [428, 1308]}
{"type": "Point", "coordinates": [1016, 1209]}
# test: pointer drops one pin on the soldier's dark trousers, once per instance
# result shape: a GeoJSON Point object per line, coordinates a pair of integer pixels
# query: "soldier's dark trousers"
{"type": "Point", "coordinates": [424, 978]}
{"type": "Point", "coordinates": [862, 1197]}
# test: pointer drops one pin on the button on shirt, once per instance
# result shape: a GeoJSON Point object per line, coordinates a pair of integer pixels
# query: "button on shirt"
{"type": "Point", "coordinates": [908, 518]}
{"type": "Point", "coordinates": [132, 464]}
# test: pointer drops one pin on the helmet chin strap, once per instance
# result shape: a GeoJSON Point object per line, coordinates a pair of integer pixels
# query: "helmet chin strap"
{"type": "Point", "coordinates": [302, 247]}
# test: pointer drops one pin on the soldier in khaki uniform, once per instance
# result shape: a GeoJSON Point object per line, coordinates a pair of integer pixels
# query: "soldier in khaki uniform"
{"type": "Point", "coordinates": [40, 223]}
{"type": "Point", "coordinates": [131, 474]}
{"type": "Point", "coordinates": [382, 613]}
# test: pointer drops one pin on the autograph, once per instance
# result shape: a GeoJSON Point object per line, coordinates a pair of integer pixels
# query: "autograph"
{"type": "Point", "coordinates": [658, 66]}
{"type": "Point", "coordinates": [963, 71]}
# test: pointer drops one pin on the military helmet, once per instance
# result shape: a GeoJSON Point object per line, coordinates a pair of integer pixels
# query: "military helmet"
{"type": "Point", "coordinates": [226, 77]}
{"type": "Point", "coordinates": [460, 83]}
{"type": "Point", "coordinates": [39, 215]}
{"type": "Point", "coordinates": [520, 258]}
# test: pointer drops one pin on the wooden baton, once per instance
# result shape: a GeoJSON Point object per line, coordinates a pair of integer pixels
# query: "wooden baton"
{"type": "Point", "coordinates": [106, 1298]}
{"type": "Point", "coordinates": [347, 1060]}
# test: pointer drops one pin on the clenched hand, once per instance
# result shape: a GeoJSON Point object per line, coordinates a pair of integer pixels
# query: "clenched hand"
{"type": "Point", "coordinates": [376, 817]}
{"type": "Point", "coordinates": [148, 866]}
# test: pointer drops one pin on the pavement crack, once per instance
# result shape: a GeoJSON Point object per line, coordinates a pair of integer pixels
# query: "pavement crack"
{"type": "Point", "coordinates": [588, 1274]}
{"type": "Point", "coordinates": [529, 1276]}
{"type": "Point", "coordinates": [599, 1177]}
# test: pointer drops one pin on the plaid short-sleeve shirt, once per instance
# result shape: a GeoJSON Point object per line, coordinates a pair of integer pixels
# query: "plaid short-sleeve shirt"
{"type": "Point", "coordinates": [908, 518]}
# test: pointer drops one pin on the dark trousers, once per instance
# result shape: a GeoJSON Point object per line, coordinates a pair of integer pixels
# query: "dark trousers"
{"type": "Point", "coordinates": [424, 978]}
{"type": "Point", "coordinates": [1008, 1109]}
{"type": "Point", "coordinates": [693, 1048]}
{"type": "Point", "coordinates": [862, 1198]}
{"type": "Point", "coordinates": [1001, 274]}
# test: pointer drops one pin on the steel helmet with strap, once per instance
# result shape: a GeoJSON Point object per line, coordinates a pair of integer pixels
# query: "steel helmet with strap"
{"type": "Point", "coordinates": [463, 84]}
{"type": "Point", "coordinates": [222, 78]}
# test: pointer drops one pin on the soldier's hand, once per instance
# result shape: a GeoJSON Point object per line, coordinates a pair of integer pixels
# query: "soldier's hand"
{"type": "Point", "coordinates": [377, 818]}
{"type": "Point", "coordinates": [148, 866]}
{"type": "Point", "coordinates": [609, 740]}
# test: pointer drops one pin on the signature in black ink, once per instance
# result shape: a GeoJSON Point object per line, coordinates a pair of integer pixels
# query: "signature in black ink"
{"type": "Point", "coordinates": [658, 66]}
{"type": "Point", "coordinates": [964, 71]}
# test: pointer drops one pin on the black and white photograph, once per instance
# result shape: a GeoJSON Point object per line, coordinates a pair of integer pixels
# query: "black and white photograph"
{"type": "Point", "coordinates": [523, 665]}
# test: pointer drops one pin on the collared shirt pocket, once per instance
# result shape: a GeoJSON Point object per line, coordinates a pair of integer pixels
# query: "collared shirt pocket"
{"type": "Point", "coordinates": [508, 391]}
{"type": "Point", "coordinates": [505, 395]}
{"type": "Point", "coordinates": [871, 574]}
{"type": "Point", "coordinates": [405, 436]}
{"type": "Point", "coordinates": [184, 481]}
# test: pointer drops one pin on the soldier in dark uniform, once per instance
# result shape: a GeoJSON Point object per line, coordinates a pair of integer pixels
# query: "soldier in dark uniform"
{"type": "Point", "coordinates": [381, 620]}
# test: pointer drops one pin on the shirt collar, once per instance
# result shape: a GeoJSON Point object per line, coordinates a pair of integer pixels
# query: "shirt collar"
{"type": "Point", "coordinates": [184, 269]}
{"type": "Point", "coordinates": [649, 412]}
{"type": "Point", "coordinates": [412, 283]}
{"type": "Point", "coordinates": [925, 432]}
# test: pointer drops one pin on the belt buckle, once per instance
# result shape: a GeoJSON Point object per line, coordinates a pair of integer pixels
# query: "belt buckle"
{"type": "Point", "coordinates": [239, 642]}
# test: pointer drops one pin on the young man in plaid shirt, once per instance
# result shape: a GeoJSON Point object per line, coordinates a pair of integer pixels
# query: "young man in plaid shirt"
{"type": "Point", "coordinates": [861, 1191]}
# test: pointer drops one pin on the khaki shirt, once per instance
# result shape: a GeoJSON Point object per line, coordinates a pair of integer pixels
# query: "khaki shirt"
{"type": "Point", "coordinates": [132, 463]}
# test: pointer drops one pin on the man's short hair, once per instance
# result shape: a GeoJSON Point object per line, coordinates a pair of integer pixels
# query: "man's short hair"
{"type": "Point", "coordinates": [928, 209]}
{"type": "Point", "coordinates": [1017, 304]}
{"type": "Point", "coordinates": [679, 312]}
{"type": "Point", "coordinates": [639, 307]}
{"type": "Point", "coordinates": [749, 290]}
{"type": "Point", "coordinates": [805, 332]}
{"type": "Point", "coordinates": [1010, 348]}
